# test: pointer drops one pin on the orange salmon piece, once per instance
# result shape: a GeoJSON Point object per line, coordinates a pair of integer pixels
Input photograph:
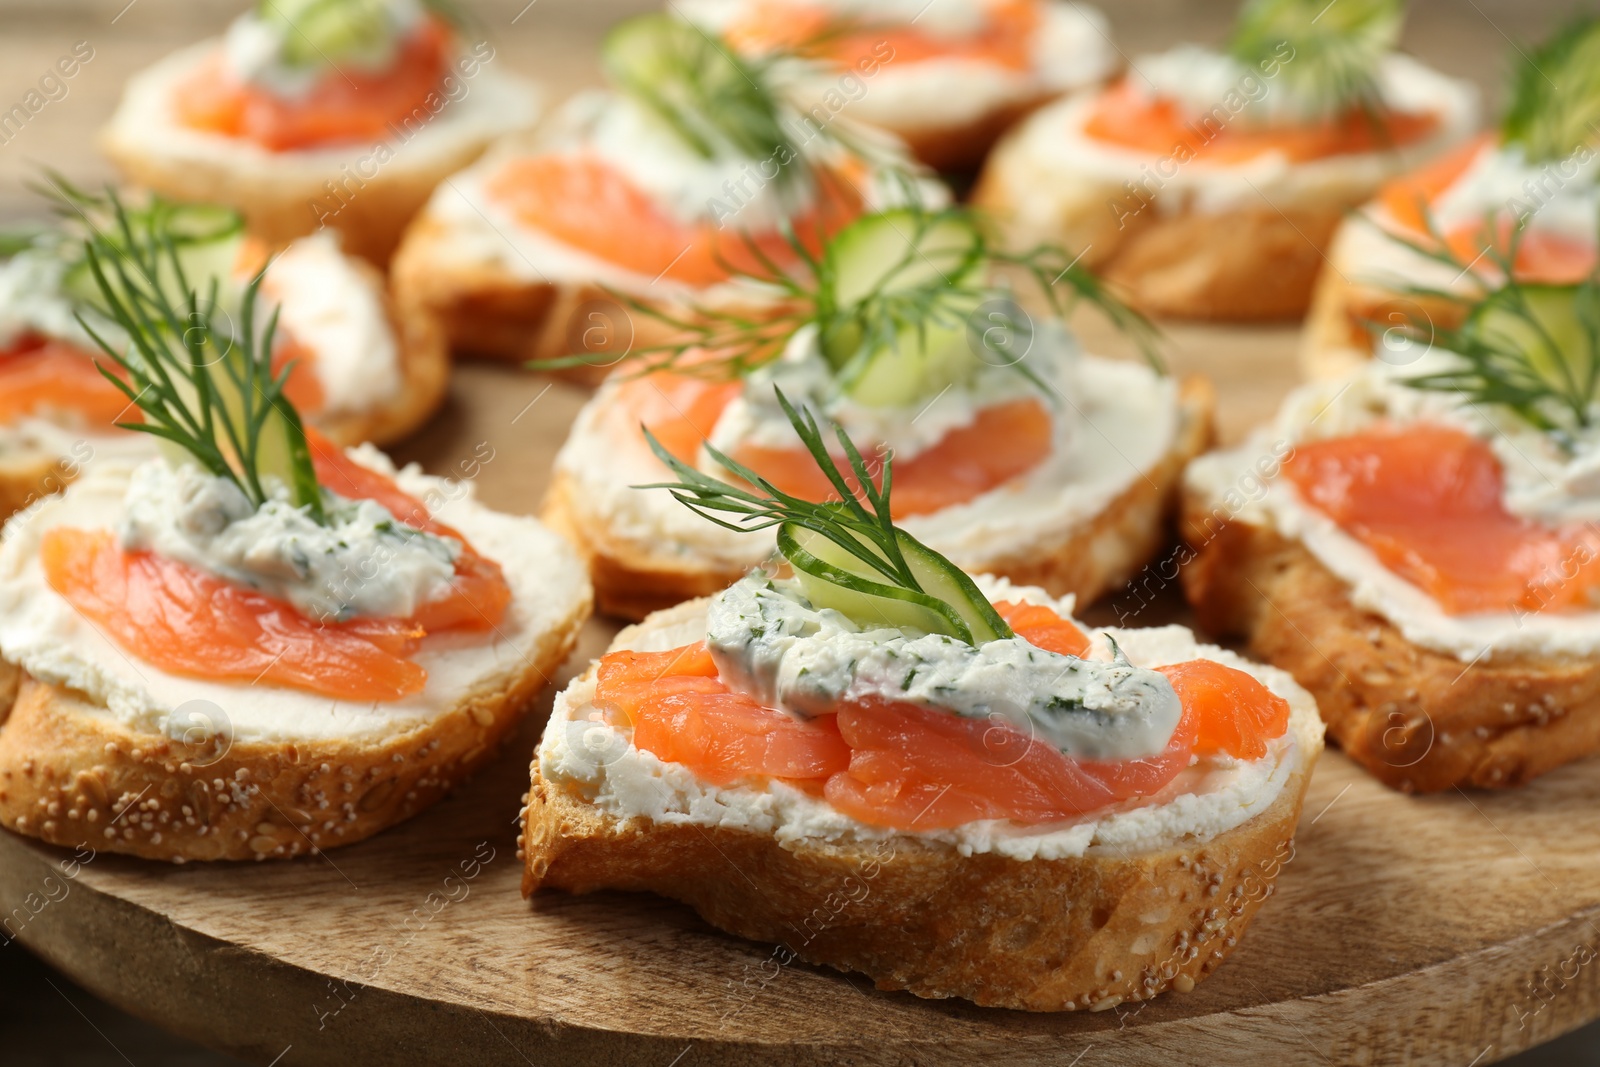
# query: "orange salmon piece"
{"type": "Point", "coordinates": [189, 623]}
{"type": "Point", "coordinates": [1006, 38]}
{"type": "Point", "coordinates": [1125, 116]}
{"type": "Point", "coordinates": [1428, 501]}
{"type": "Point", "coordinates": [585, 203]}
{"type": "Point", "coordinates": [344, 106]}
{"type": "Point", "coordinates": [1232, 712]}
{"type": "Point", "coordinates": [39, 375]}
{"type": "Point", "coordinates": [680, 410]}
{"type": "Point", "coordinates": [1542, 256]}
{"type": "Point", "coordinates": [1043, 628]}
{"type": "Point", "coordinates": [1003, 442]}
{"type": "Point", "coordinates": [681, 712]}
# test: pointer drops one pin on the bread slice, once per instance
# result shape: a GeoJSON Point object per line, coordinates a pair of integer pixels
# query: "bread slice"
{"type": "Point", "coordinates": [1418, 720]}
{"type": "Point", "coordinates": [366, 191]}
{"type": "Point", "coordinates": [1116, 923]}
{"type": "Point", "coordinates": [216, 771]}
{"type": "Point", "coordinates": [1085, 560]}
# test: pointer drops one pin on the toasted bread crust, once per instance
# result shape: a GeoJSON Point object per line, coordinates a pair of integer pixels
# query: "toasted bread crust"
{"type": "Point", "coordinates": [1418, 720]}
{"type": "Point", "coordinates": [488, 312]}
{"type": "Point", "coordinates": [1089, 558]}
{"type": "Point", "coordinates": [1253, 263]}
{"type": "Point", "coordinates": [963, 148]}
{"type": "Point", "coordinates": [1039, 935]}
{"type": "Point", "coordinates": [70, 772]}
{"type": "Point", "coordinates": [24, 479]}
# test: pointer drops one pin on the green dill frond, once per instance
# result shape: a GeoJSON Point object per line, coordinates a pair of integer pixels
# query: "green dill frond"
{"type": "Point", "coordinates": [883, 560]}
{"type": "Point", "coordinates": [1326, 53]}
{"type": "Point", "coordinates": [1555, 94]}
{"type": "Point", "coordinates": [197, 364]}
{"type": "Point", "coordinates": [1530, 348]}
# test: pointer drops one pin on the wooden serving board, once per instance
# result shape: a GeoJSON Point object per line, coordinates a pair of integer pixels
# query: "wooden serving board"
{"type": "Point", "coordinates": [1448, 930]}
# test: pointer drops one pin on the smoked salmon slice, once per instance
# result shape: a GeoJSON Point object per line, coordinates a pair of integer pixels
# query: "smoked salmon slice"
{"type": "Point", "coordinates": [1003, 442]}
{"type": "Point", "coordinates": [1124, 115]}
{"type": "Point", "coordinates": [187, 622]}
{"type": "Point", "coordinates": [1542, 256]}
{"type": "Point", "coordinates": [346, 105]}
{"type": "Point", "coordinates": [1428, 500]}
{"type": "Point", "coordinates": [38, 376]}
{"type": "Point", "coordinates": [916, 768]}
{"type": "Point", "coordinates": [584, 202]}
{"type": "Point", "coordinates": [1006, 37]}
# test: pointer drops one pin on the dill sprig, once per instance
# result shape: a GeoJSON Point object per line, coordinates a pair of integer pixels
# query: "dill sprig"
{"type": "Point", "coordinates": [207, 389]}
{"type": "Point", "coordinates": [715, 101]}
{"type": "Point", "coordinates": [932, 289]}
{"type": "Point", "coordinates": [1337, 47]}
{"type": "Point", "coordinates": [864, 530]}
{"type": "Point", "coordinates": [1533, 349]}
{"type": "Point", "coordinates": [1555, 94]}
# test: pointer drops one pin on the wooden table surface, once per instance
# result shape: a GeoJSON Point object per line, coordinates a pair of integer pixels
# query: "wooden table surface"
{"type": "Point", "coordinates": [1441, 930]}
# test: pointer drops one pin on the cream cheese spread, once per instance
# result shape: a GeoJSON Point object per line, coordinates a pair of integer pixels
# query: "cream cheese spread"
{"type": "Point", "coordinates": [582, 753]}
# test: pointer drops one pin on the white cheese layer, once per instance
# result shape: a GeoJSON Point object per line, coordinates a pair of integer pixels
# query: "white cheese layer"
{"type": "Point", "coordinates": [1056, 170]}
{"type": "Point", "coordinates": [43, 634]}
{"type": "Point", "coordinates": [334, 306]}
{"type": "Point", "coordinates": [1542, 483]}
{"type": "Point", "coordinates": [1114, 421]}
{"type": "Point", "coordinates": [1214, 795]}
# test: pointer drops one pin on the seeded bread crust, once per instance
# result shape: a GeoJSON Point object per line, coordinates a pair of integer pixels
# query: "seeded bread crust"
{"type": "Point", "coordinates": [489, 312]}
{"type": "Point", "coordinates": [1091, 557]}
{"type": "Point", "coordinates": [1038, 935]}
{"type": "Point", "coordinates": [1418, 720]}
{"type": "Point", "coordinates": [70, 772]}
{"type": "Point", "coordinates": [1248, 264]}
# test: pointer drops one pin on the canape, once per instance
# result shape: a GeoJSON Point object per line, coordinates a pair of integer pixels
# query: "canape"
{"type": "Point", "coordinates": [313, 114]}
{"type": "Point", "coordinates": [652, 192]}
{"type": "Point", "coordinates": [1207, 184]}
{"type": "Point", "coordinates": [886, 765]}
{"type": "Point", "coordinates": [1535, 175]}
{"type": "Point", "coordinates": [1018, 454]}
{"type": "Point", "coordinates": [355, 369]}
{"type": "Point", "coordinates": [250, 643]}
{"type": "Point", "coordinates": [946, 78]}
{"type": "Point", "coordinates": [1415, 543]}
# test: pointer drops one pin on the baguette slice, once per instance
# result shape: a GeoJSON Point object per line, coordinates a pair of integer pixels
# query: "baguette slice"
{"type": "Point", "coordinates": [198, 782]}
{"type": "Point", "coordinates": [1118, 923]}
{"type": "Point", "coordinates": [366, 191]}
{"type": "Point", "coordinates": [1084, 560]}
{"type": "Point", "coordinates": [1413, 717]}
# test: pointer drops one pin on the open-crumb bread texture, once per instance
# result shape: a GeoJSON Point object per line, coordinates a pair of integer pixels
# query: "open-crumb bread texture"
{"type": "Point", "coordinates": [1418, 720]}
{"type": "Point", "coordinates": [70, 772]}
{"type": "Point", "coordinates": [1089, 558]}
{"type": "Point", "coordinates": [1087, 932]}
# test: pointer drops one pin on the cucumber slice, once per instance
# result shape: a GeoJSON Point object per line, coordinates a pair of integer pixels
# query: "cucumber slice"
{"type": "Point", "coordinates": [1554, 326]}
{"type": "Point", "coordinates": [323, 32]}
{"type": "Point", "coordinates": [898, 251]}
{"type": "Point", "coordinates": [1555, 94]}
{"type": "Point", "coordinates": [207, 238]}
{"type": "Point", "coordinates": [948, 603]}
